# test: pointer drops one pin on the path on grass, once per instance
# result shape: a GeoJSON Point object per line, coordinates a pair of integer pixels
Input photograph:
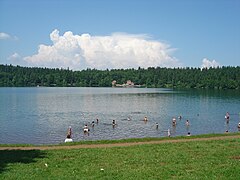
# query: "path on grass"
{"type": "Point", "coordinates": [120, 144]}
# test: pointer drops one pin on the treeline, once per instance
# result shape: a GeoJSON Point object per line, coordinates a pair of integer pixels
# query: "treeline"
{"type": "Point", "coordinates": [219, 78]}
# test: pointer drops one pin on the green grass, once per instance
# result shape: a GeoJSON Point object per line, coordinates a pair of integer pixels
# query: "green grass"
{"type": "Point", "coordinates": [218, 159]}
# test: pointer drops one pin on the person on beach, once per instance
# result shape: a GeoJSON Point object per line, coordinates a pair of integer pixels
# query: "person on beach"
{"type": "Point", "coordinates": [69, 135]}
{"type": "Point", "coordinates": [187, 123]}
{"type": "Point", "coordinates": [68, 139]}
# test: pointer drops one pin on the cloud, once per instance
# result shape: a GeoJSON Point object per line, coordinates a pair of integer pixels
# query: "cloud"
{"type": "Point", "coordinates": [14, 56]}
{"type": "Point", "coordinates": [207, 63]}
{"type": "Point", "coordinates": [4, 35]}
{"type": "Point", "coordinates": [16, 59]}
{"type": "Point", "coordinates": [119, 50]}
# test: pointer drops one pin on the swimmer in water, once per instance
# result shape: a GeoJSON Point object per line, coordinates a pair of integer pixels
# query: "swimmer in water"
{"type": "Point", "coordinates": [174, 122]}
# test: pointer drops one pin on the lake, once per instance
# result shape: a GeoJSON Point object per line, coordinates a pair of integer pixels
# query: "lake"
{"type": "Point", "coordinates": [42, 115]}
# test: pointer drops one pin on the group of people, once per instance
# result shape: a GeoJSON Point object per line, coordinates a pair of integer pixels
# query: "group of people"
{"type": "Point", "coordinates": [174, 123]}
{"type": "Point", "coordinates": [86, 128]}
{"type": "Point", "coordinates": [227, 117]}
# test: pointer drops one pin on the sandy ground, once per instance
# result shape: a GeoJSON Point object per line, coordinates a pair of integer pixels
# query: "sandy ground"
{"type": "Point", "coordinates": [118, 144]}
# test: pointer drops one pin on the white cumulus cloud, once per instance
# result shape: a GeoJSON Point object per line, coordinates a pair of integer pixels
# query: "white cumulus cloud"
{"type": "Point", "coordinates": [4, 35]}
{"type": "Point", "coordinates": [118, 50]}
{"type": "Point", "coordinates": [207, 63]}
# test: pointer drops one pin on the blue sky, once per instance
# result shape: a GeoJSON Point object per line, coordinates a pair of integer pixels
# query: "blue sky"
{"type": "Point", "coordinates": [120, 34]}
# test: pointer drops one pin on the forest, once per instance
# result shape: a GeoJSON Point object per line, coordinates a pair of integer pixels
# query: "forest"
{"type": "Point", "coordinates": [152, 77]}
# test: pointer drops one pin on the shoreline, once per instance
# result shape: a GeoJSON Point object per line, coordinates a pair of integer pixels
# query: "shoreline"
{"type": "Point", "coordinates": [98, 144]}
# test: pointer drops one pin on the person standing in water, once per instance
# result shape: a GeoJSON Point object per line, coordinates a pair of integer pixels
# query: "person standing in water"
{"type": "Point", "coordinates": [93, 123]}
{"type": "Point", "coordinates": [169, 133]}
{"type": "Point", "coordinates": [85, 128]}
{"type": "Point", "coordinates": [114, 123]}
{"type": "Point", "coordinates": [227, 117]}
{"type": "Point", "coordinates": [174, 122]}
{"type": "Point", "coordinates": [238, 126]}
{"type": "Point", "coordinates": [69, 133]}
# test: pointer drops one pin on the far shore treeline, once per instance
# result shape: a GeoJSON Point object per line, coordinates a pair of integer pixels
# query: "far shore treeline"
{"type": "Point", "coordinates": [212, 78]}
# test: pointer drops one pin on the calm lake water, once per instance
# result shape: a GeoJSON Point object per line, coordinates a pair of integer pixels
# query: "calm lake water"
{"type": "Point", "coordinates": [43, 115]}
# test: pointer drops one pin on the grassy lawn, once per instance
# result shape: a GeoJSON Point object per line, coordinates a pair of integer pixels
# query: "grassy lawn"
{"type": "Point", "coordinates": [218, 159]}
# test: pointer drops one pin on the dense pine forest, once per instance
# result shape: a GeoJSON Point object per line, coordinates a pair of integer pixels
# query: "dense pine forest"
{"type": "Point", "coordinates": [218, 78]}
